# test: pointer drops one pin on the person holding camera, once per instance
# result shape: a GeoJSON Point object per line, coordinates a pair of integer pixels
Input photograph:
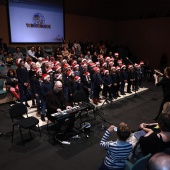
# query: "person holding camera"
{"type": "Point", "coordinates": [117, 151]}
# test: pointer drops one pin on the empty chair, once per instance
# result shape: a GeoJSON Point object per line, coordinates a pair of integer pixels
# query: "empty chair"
{"type": "Point", "coordinates": [3, 72]}
{"type": "Point", "coordinates": [79, 96]}
{"type": "Point", "coordinates": [11, 50]}
{"type": "Point", "coordinates": [14, 67]}
{"type": "Point", "coordinates": [48, 50]}
{"type": "Point", "coordinates": [17, 112]}
{"type": "Point", "coordinates": [141, 164]}
{"type": "Point", "coordinates": [28, 47]}
{"type": "Point", "coordinates": [54, 48]}
{"type": "Point", "coordinates": [2, 91]}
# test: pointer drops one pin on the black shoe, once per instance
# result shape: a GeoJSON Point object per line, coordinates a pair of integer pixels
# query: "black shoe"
{"type": "Point", "coordinates": [129, 92]}
{"type": "Point", "coordinates": [42, 118]}
{"type": "Point", "coordinates": [26, 104]}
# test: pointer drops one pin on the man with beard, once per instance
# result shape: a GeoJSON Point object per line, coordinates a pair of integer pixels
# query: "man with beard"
{"type": "Point", "coordinates": [56, 102]}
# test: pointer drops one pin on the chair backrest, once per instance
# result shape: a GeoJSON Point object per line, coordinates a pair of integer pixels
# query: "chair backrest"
{"type": "Point", "coordinates": [1, 84]}
{"type": "Point", "coordinates": [79, 96]}
{"type": "Point", "coordinates": [11, 50]}
{"type": "Point", "coordinates": [18, 110]}
{"type": "Point", "coordinates": [14, 67]}
{"type": "Point", "coordinates": [141, 164]}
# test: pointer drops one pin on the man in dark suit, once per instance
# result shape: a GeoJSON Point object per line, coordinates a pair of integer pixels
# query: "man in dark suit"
{"type": "Point", "coordinates": [56, 102]}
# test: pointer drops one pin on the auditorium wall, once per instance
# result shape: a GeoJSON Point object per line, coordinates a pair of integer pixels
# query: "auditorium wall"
{"type": "Point", "coordinates": [147, 38]}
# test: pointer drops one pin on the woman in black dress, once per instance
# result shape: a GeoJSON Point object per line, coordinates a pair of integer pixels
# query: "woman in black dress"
{"type": "Point", "coordinates": [165, 83]}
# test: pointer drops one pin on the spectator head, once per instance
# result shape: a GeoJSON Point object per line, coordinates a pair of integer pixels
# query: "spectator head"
{"type": "Point", "coordinates": [166, 108]}
{"type": "Point", "coordinates": [123, 131]}
{"type": "Point", "coordinates": [17, 49]}
{"type": "Point", "coordinates": [164, 122]}
{"type": "Point", "coordinates": [11, 72]}
{"type": "Point", "coordinates": [58, 86]}
{"type": "Point", "coordinates": [32, 48]}
{"type": "Point", "coordinates": [159, 161]}
{"type": "Point", "coordinates": [167, 71]}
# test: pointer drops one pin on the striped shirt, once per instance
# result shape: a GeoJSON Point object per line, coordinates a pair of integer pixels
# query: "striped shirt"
{"type": "Point", "coordinates": [117, 152]}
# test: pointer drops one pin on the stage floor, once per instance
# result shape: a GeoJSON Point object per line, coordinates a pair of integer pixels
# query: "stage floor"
{"type": "Point", "coordinates": [33, 111]}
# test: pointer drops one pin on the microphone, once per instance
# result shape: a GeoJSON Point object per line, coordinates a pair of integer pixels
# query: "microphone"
{"type": "Point", "coordinates": [127, 58]}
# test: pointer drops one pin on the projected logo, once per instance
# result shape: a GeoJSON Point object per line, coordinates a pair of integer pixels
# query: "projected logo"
{"type": "Point", "coordinates": [38, 22]}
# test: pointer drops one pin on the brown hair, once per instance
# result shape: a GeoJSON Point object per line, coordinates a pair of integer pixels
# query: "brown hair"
{"type": "Point", "coordinates": [123, 131]}
{"type": "Point", "coordinates": [167, 71]}
{"type": "Point", "coordinates": [164, 122]}
{"type": "Point", "coordinates": [166, 108]}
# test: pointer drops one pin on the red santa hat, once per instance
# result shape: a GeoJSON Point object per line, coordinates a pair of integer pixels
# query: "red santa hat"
{"type": "Point", "coordinates": [64, 61]}
{"type": "Point", "coordinates": [69, 73]}
{"type": "Point", "coordinates": [116, 54]}
{"type": "Point", "coordinates": [117, 68]}
{"type": "Point", "coordinates": [84, 65]}
{"type": "Point", "coordinates": [56, 68]}
{"type": "Point", "coordinates": [97, 63]}
{"type": "Point", "coordinates": [96, 69]}
{"type": "Point", "coordinates": [107, 58]}
{"type": "Point", "coordinates": [18, 61]}
{"type": "Point", "coordinates": [111, 62]}
{"type": "Point", "coordinates": [113, 67]}
{"type": "Point", "coordinates": [38, 70]}
{"type": "Point", "coordinates": [119, 61]}
{"type": "Point", "coordinates": [49, 70]}
{"type": "Point", "coordinates": [141, 63]}
{"type": "Point", "coordinates": [58, 76]}
{"type": "Point", "coordinates": [76, 65]}
{"type": "Point", "coordinates": [45, 76]}
{"type": "Point", "coordinates": [86, 73]}
{"type": "Point", "coordinates": [105, 71]}
{"type": "Point", "coordinates": [89, 61]}
{"type": "Point", "coordinates": [100, 56]}
{"type": "Point", "coordinates": [123, 66]}
{"type": "Point", "coordinates": [130, 66]}
{"type": "Point", "coordinates": [92, 65]}
{"type": "Point", "coordinates": [66, 66]}
{"type": "Point", "coordinates": [73, 62]}
{"type": "Point", "coordinates": [44, 61]}
{"type": "Point", "coordinates": [84, 60]}
{"type": "Point", "coordinates": [138, 66]}
{"type": "Point", "coordinates": [104, 64]}
{"type": "Point", "coordinates": [76, 78]}
{"type": "Point", "coordinates": [56, 63]}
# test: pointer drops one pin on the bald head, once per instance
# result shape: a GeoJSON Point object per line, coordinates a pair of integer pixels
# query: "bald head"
{"type": "Point", "coordinates": [159, 161]}
{"type": "Point", "coordinates": [58, 86]}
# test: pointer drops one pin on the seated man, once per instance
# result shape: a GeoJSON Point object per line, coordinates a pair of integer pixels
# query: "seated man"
{"type": "Point", "coordinates": [56, 102]}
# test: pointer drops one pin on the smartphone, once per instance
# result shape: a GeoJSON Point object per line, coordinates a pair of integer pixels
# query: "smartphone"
{"type": "Point", "coordinates": [115, 129]}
